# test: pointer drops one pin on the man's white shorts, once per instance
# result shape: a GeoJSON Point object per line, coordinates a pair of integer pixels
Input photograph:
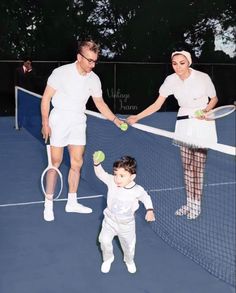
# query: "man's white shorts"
{"type": "Point", "coordinates": [67, 128]}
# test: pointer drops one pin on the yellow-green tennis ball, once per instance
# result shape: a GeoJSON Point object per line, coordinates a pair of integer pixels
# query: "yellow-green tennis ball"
{"type": "Point", "coordinates": [198, 113]}
{"type": "Point", "coordinates": [124, 126]}
{"type": "Point", "coordinates": [99, 156]}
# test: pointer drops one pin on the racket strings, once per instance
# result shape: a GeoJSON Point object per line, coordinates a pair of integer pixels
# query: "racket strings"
{"type": "Point", "coordinates": [221, 112]}
{"type": "Point", "coordinates": [193, 161]}
{"type": "Point", "coordinates": [52, 183]}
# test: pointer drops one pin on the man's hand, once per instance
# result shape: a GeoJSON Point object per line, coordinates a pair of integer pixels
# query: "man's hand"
{"type": "Point", "coordinates": [46, 132]}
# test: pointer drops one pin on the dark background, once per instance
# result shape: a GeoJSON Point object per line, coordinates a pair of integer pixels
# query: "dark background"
{"type": "Point", "coordinates": [136, 39]}
{"type": "Point", "coordinates": [128, 88]}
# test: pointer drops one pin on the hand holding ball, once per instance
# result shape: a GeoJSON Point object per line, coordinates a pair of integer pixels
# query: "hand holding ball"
{"type": "Point", "coordinates": [98, 157]}
{"type": "Point", "coordinates": [199, 113]}
{"type": "Point", "coordinates": [124, 126]}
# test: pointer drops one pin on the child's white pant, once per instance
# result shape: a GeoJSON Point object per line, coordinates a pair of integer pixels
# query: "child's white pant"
{"type": "Point", "coordinates": [125, 230]}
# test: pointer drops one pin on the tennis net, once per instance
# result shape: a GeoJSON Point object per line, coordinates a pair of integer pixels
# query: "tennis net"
{"type": "Point", "coordinates": [209, 240]}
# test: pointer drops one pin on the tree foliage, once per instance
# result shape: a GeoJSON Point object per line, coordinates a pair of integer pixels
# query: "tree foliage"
{"type": "Point", "coordinates": [132, 30]}
{"type": "Point", "coordinates": [160, 27]}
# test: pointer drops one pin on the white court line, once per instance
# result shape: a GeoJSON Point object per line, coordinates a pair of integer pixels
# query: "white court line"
{"type": "Point", "coordinates": [100, 195]}
{"type": "Point", "coordinates": [42, 201]}
{"type": "Point", "coordinates": [167, 189]}
{"type": "Point", "coordinates": [182, 187]}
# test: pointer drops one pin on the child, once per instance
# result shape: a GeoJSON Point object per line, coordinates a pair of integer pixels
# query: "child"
{"type": "Point", "coordinates": [122, 202]}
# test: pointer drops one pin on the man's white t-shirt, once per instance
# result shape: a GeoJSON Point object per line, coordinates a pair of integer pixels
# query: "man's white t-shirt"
{"type": "Point", "coordinates": [67, 120]}
{"type": "Point", "coordinates": [73, 89]}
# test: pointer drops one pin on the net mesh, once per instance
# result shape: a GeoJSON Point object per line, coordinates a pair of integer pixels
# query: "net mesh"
{"type": "Point", "coordinates": [209, 239]}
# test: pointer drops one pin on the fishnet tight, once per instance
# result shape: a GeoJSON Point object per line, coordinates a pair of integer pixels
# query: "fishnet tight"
{"type": "Point", "coordinates": [194, 164]}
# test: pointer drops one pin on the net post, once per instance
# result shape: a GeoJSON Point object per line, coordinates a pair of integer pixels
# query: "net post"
{"type": "Point", "coordinates": [16, 108]}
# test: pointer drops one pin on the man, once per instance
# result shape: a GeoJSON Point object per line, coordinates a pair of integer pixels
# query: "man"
{"type": "Point", "coordinates": [25, 75]}
{"type": "Point", "coordinates": [70, 87]}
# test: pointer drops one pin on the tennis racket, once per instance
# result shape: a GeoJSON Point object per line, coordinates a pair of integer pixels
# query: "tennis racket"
{"type": "Point", "coordinates": [216, 113]}
{"type": "Point", "coordinates": [220, 112]}
{"type": "Point", "coordinates": [51, 178]}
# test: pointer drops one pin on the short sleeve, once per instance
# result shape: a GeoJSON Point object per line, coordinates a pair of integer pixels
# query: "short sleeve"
{"type": "Point", "coordinates": [96, 87]}
{"type": "Point", "coordinates": [210, 88]}
{"type": "Point", "coordinates": [166, 88]}
{"type": "Point", "coordinates": [54, 79]}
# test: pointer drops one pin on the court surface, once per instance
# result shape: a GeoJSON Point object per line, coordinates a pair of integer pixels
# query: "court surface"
{"type": "Point", "coordinates": [64, 256]}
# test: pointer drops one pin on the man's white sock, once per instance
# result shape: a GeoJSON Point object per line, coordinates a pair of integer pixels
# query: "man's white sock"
{"type": "Point", "coordinates": [72, 198]}
{"type": "Point", "coordinates": [48, 203]}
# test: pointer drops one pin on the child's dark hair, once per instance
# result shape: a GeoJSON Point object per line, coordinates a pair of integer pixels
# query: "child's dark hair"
{"type": "Point", "coordinates": [126, 162]}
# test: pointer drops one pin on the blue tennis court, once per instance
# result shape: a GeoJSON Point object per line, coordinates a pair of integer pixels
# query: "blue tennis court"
{"type": "Point", "coordinates": [172, 255]}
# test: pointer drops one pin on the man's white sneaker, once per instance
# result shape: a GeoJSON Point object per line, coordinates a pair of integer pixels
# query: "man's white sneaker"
{"type": "Point", "coordinates": [131, 267]}
{"type": "Point", "coordinates": [77, 208]}
{"type": "Point", "coordinates": [106, 265]}
{"type": "Point", "coordinates": [48, 215]}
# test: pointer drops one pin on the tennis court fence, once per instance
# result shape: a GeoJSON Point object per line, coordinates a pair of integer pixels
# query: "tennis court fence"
{"type": "Point", "coordinates": [208, 240]}
{"type": "Point", "coordinates": [128, 87]}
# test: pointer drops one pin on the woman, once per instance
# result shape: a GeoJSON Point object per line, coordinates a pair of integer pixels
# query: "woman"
{"type": "Point", "coordinates": [192, 89]}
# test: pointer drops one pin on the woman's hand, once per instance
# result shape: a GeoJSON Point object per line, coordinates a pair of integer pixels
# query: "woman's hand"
{"type": "Point", "coordinates": [132, 119]}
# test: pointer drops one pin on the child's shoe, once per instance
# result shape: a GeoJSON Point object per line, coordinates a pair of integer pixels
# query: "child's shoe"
{"type": "Point", "coordinates": [131, 267]}
{"type": "Point", "coordinates": [106, 265]}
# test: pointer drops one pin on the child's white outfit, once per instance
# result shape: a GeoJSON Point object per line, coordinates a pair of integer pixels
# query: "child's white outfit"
{"type": "Point", "coordinates": [119, 220]}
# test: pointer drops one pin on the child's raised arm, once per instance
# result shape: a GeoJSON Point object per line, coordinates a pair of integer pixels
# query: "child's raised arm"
{"type": "Point", "coordinates": [98, 169]}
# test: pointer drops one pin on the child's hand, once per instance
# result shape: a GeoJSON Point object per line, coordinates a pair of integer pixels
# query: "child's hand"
{"type": "Point", "coordinates": [96, 162]}
{"type": "Point", "coordinates": [150, 216]}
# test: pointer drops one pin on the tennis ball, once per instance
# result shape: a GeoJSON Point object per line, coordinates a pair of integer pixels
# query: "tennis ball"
{"type": "Point", "coordinates": [198, 113]}
{"type": "Point", "coordinates": [99, 156]}
{"type": "Point", "coordinates": [124, 126]}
